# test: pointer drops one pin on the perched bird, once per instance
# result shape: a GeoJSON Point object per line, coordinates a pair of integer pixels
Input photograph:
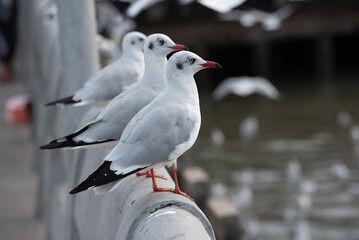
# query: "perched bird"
{"type": "Point", "coordinates": [294, 170]}
{"type": "Point", "coordinates": [161, 132]}
{"type": "Point", "coordinates": [217, 136]}
{"type": "Point", "coordinates": [344, 119]}
{"type": "Point", "coordinates": [111, 121]}
{"type": "Point", "coordinates": [113, 79]}
{"type": "Point", "coordinates": [245, 86]}
{"type": "Point", "coordinates": [340, 171]}
{"type": "Point", "coordinates": [249, 128]}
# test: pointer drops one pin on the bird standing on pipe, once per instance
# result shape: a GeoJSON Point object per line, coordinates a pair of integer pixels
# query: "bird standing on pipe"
{"type": "Point", "coordinates": [159, 133]}
{"type": "Point", "coordinates": [107, 128]}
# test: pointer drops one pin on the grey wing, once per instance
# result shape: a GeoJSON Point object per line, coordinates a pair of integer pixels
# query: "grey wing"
{"type": "Point", "coordinates": [113, 119]}
{"type": "Point", "coordinates": [156, 135]}
{"type": "Point", "coordinates": [229, 85]}
{"type": "Point", "coordinates": [267, 89]}
{"type": "Point", "coordinates": [220, 91]}
{"type": "Point", "coordinates": [108, 83]}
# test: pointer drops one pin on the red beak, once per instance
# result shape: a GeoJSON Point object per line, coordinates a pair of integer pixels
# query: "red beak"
{"type": "Point", "coordinates": [210, 64]}
{"type": "Point", "coordinates": [179, 47]}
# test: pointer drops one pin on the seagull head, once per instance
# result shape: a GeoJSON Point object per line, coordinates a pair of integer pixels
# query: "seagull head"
{"type": "Point", "coordinates": [189, 63]}
{"type": "Point", "coordinates": [162, 45]}
{"type": "Point", "coordinates": [133, 40]}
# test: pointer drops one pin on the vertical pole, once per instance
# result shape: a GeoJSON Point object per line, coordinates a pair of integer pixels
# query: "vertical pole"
{"type": "Point", "coordinates": [77, 28]}
{"type": "Point", "coordinates": [79, 61]}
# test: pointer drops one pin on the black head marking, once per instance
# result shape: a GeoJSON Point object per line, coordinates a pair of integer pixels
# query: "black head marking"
{"type": "Point", "coordinates": [150, 45]}
{"type": "Point", "coordinates": [179, 66]}
{"type": "Point", "coordinates": [133, 42]}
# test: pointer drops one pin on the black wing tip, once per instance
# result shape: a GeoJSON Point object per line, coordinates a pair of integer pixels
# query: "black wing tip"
{"type": "Point", "coordinates": [64, 101]}
{"type": "Point", "coordinates": [56, 144]}
{"type": "Point", "coordinates": [71, 143]}
{"type": "Point", "coordinates": [68, 141]}
{"type": "Point", "coordinates": [95, 179]}
{"type": "Point", "coordinates": [78, 189]}
{"type": "Point", "coordinates": [46, 146]}
{"type": "Point", "coordinates": [74, 191]}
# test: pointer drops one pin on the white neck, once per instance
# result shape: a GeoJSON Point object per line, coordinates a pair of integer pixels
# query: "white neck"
{"type": "Point", "coordinates": [183, 84]}
{"type": "Point", "coordinates": [134, 54]}
{"type": "Point", "coordinates": [155, 71]}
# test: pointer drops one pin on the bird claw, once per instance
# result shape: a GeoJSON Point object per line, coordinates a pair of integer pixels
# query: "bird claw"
{"type": "Point", "coordinates": [148, 174]}
{"type": "Point", "coordinates": [181, 193]}
{"type": "Point", "coordinates": [158, 189]}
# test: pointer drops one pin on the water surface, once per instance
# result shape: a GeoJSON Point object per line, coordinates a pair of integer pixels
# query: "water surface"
{"type": "Point", "coordinates": [319, 197]}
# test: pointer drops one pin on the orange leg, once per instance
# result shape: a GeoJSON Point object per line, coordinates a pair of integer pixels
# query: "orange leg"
{"type": "Point", "coordinates": [154, 184]}
{"type": "Point", "coordinates": [177, 189]}
{"type": "Point", "coordinates": [148, 174]}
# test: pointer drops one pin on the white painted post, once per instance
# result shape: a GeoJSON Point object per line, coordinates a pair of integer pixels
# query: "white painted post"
{"type": "Point", "coordinates": [77, 60]}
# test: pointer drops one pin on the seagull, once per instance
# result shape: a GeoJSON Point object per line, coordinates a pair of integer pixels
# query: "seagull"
{"type": "Point", "coordinates": [215, 5]}
{"type": "Point", "coordinates": [269, 21]}
{"type": "Point", "coordinates": [139, 5]}
{"type": "Point", "coordinates": [112, 22]}
{"type": "Point", "coordinates": [245, 86]}
{"type": "Point", "coordinates": [109, 124]}
{"type": "Point", "coordinates": [221, 6]}
{"type": "Point", "coordinates": [249, 127]}
{"type": "Point", "coordinates": [161, 132]}
{"type": "Point", "coordinates": [113, 79]}
{"type": "Point", "coordinates": [344, 119]}
{"type": "Point", "coordinates": [294, 170]}
{"type": "Point", "coordinates": [217, 136]}
{"type": "Point", "coordinates": [340, 171]}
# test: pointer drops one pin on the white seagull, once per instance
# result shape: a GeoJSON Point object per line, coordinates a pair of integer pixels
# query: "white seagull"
{"type": "Point", "coordinates": [159, 133]}
{"type": "Point", "coordinates": [138, 6]}
{"type": "Point", "coordinates": [111, 121]}
{"type": "Point", "coordinates": [113, 79]}
{"type": "Point", "coordinates": [221, 6]}
{"type": "Point", "coordinates": [245, 86]}
{"type": "Point", "coordinates": [269, 21]}
{"type": "Point", "coordinates": [218, 6]}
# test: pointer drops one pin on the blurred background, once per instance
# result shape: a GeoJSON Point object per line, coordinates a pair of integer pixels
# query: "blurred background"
{"type": "Point", "coordinates": [280, 120]}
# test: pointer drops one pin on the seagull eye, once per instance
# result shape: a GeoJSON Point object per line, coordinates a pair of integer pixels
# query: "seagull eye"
{"type": "Point", "coordinates": [161, 41]}
{"type": "Point", "coordinates": [191, 60]}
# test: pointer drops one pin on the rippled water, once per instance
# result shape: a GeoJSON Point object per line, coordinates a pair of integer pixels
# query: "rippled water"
{"type": "Point", "coordinates": [296, 176]}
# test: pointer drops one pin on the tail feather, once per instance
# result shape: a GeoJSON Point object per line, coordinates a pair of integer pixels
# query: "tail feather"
{"type": "Point", "coordinates": [68, 141]}
{"type": "Point", "coordinates": [63, 101]}
{"type": "Point", "coordinates": [103, 175]}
